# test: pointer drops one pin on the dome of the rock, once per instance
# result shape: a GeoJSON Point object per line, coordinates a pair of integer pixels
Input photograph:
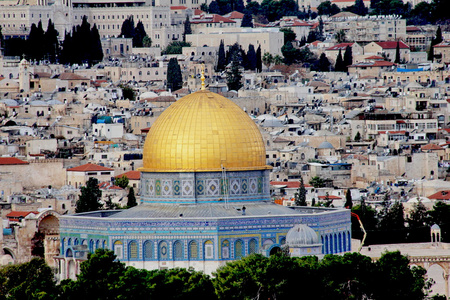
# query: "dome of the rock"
{"type": "Point", "coordinates": [203, 132]}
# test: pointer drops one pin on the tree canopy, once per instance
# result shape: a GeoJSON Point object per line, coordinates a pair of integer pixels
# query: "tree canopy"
{"type": "Point", "coordinates": [89, 199]}
{"type": "Point", "coordinates": [174, 77]}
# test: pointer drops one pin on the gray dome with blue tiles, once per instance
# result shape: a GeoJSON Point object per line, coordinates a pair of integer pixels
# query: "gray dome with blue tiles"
{"type": "Point", "coordinates": [301, 235]}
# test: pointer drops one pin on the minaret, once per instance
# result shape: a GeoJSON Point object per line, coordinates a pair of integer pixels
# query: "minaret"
{"type": "Point", "coordinates": [24, 76]}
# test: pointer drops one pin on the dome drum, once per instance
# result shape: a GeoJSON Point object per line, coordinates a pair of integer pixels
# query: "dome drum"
{"type": "Point", "coordinates": [205, 187]}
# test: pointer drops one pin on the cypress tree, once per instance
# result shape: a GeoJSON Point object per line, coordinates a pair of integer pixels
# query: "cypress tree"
{"type": "Point", "coordinates": [324, 63]}
{"type": "Point", "coordinates": [397, 53]}
{"type": "Point", "coordinates": [251, 57]}
{"type": "Point", "coordinates": [131, 198]}
{"type": "Point", "coordinates": [187, 28]}
{"type": "Point", "coordinates": [127, 29]}
{"type": "Point", "coordinates": [258, 59]}
{"type": "Point", "coordinates": [339, 67]}
{"type": "Point", "coordinates": [51, 45]}
{"type": "Point", "coordinates": [139, 34]}
{"type": "Point", "coordinates": [174, 77]}
{"type": "Point", "coordinates": [247, 20]}
{"type": "Point", "coordinates": [348, 58]}
{"type": "Point", "coordinates": [221, 59]}
{"type": "Point", "coordinates": [96, 44]}
{"type": "Point", "coordinates": [234, 75]}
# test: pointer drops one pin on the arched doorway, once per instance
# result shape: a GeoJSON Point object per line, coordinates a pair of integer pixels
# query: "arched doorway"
{"type": "Point", "coordinates": [275, 250]}
{"type": "Point", "coordinates": [46, 242]}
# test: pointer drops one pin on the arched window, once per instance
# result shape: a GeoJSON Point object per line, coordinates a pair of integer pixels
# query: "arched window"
{"type": "Point", "coordinates": [69, 242]}
{"type": "Point", "coordinates": [118, 249]}
{"type": "Point", "coordinates": [132, 250]}
{"type": "Point", "coordinates": [252, 246]}
{"type": "Point", "coordinates": [323, 245]}
{"type": "Point", "coordinates": [91, 246]}
{"type": "Point", "coordinates": [104, 245]}
{"type": "Point", "coordinates": [97, 244]}
{"type": "Point", "coordinates": [76, 242]}
{"type": "Point", "coordinates": [340, 242]}
{"type": "Point", "coordinates": [282, 241]}
{"type": "Point", "coordinates": [193, 250]}
{"type": "Point", "coordinates": [69, 253]}
{"type": "Point", "coordinates": [326, 245]}
{"type": "Point", "coordinates": [336, 250]}
{"type": "Point", "coordinates": [225, 249]}
{"type": "Point", "coordinates": [63, 241]}
{"type": "Point", "coordinates": [163, 251]}
{"type": "Point", "coordinates": [148, 250]}
{"type": "Point", "coordinates": [209, 250]}
{"type": "Point", "coordinates": [178, 250]}
{"type": "Point", "coordinates": [344, 242]}
{"type": "Point", "coordinates": [238, 249]}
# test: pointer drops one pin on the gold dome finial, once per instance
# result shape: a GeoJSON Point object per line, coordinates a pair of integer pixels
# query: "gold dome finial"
{"type": "Point", "coordinates": [203, 77]}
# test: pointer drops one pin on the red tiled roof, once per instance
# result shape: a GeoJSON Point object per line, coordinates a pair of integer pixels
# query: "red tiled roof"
{"type": "Point", "coordinates": [17, 215]}
{"type": "Point", "coordinates": [145, 130]}
{"type": "Point", "coordinates": [431, 147]}
{"type": "Point", "coordinates": [374, 64]}
{"type": "Point", "coordinates": [331, 197]}
{"type": "Point", "coordinates": [350, 1]}
{"type": "Point", "coordinates": [442, 195]}
{"type": "Point", "coordinates": [178, 7]}
{"type": "Point", "coordinates": [375, 57]}
{"type": "Point", "coordinates": [12, 161]}
{"type": "Point", "coordinates": [89, 167]}
{"type": "Point", "coordinates": [392, 132]}
{"type": "Point", "coordinates": [341, 46]}
{"type": "Point", "coordinates": [214, 18]}
{"type": "Point", "coordinates": [442, 45]}
{"type": "Point", "coordinates": [198, 12]}
{"type": "Point", "coordinates": [131, 175]}
{"type": "Point", "coordinates": [392, 45]}
{"type": "Point", "coordinates": [106, 185]}
{"type": "Point", "coordinates": [234, 15]}
{"type": "Point", "coordinates": [71, 76]}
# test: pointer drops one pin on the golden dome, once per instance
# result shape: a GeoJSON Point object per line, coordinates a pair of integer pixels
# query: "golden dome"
{"type": "Point", "coordinates": [204, 131]}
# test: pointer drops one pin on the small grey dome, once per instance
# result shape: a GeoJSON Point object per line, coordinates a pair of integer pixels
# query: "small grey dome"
{"type": "Point", "coordinates": [325, 145]}
{"type": "Point", "coordinates": [435, 227]}
{"type": "Point", "coordinates": [301, 235]}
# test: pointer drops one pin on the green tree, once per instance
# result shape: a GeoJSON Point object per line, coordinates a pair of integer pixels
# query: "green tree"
{"type": "Point", "coordinates": [139, 35]}
{"type": "Point", "coordinates": [128, 92]}
{"type": "Point", "coordinates": [187, 28]}
{"type": "Point", "coordinates": [348, 57]}
{"type": "Point", "coordinates": [98, 278]}
{"type": "Point", "coordinates": [221, 59]}
{"type": "Point", "coordinates": [300, 195]}
{"type": "Point", "coordinates": [348, 200]}
{"type": "Point", "coordinates": [127, 28]}
{"type": "Point", "coordinates": [251, 57]}
{"type": "Point", "coordinates": [291, 54]}
{"type": "Point", "coordinates": [131, 198]}
{"type": "Point", "coordinates": [357, 137]}
{"type": "Point", "coordinates": [398, 279]}
{"type": "Point", "coordinates": [247, 20]}
{"type": "Point", "coordinates": [234, 75]}
{"type": "Point", "coordinates": [35, 51]}
{"type": "Point", "coordinates": [122, 181]}
{"type": "Point", "coordinates": [146, 41]}
{"type": "Point", "coordinates": [31, 280]}
{"type": "Point", "coordinates": [324, 64]}
{"type": "Point", "coordinates": [174, 77]}
{"type": "Point", "coordinates": [89, 200]}
{"type": "Point", "coordinates": [317, 182]}
{"type": "Point", "coordinates": [51, 44]}
{"type": "Point", "coordinates": [339, 66]}
{"type": "Point", "coordinates": [440, 215]}
{"type": "Point", "coordinates": [397, 53]}
{"type": "Point", "coordinates": [277, 60]}
{"type": "Point", "coordinates": [175, 47]}
{"type": "Point", "coordinates": [358, 8]}
{"type": "Point", "coordinates": [267, 59]}
{"type": "Point", "coordinates": [436, 40]}
{"type": "Point", "coordinates": [418, 216]}
{"type": "Point", "coordinates": [328, 9]}
{"type": "Point", "coordinates": [258, 59]}
{"type": "Point", "coordinates": [289, 35]}
{"type": "Point", "coordinates": [340, 36]}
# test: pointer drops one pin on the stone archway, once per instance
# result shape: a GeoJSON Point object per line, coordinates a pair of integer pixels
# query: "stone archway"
{"type": "Point", "coordinates": [48, 236]}
{"type": "Point", "coordinates": [275, 250]}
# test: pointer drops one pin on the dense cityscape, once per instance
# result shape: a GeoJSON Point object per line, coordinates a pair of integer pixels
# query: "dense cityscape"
{"type": "Point", "coordinates": [225, 149]}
